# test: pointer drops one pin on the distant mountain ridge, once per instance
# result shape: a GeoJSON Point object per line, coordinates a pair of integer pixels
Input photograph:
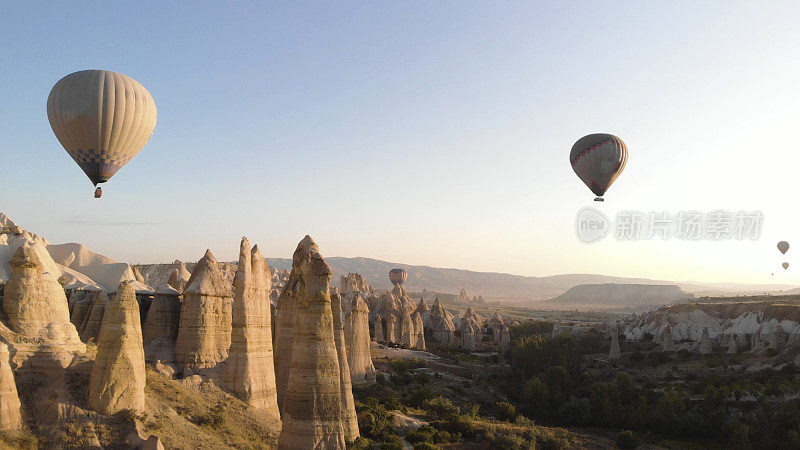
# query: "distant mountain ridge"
{"type": "Point", "coordinates": [611, 294]}
{"type": "Point", "coordinates": [503, 285]}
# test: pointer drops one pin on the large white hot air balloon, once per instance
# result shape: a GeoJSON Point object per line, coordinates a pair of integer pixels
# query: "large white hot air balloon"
{"type": "Point", "coordinates": [102, 118]}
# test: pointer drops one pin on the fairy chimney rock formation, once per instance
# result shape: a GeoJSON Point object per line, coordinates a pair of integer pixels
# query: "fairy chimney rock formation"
{"type": "Point", "coordinates": [287, 309]}
{"type": "Point", "coordinates": [777, 339]}
{"type": "Point", "coordinates": [118, 374]}
{"type": "Point", "coordinates": [354, 282]}
{"type": "Point", "coordinates": [469, 332]}
{"type": "Point", "coordinates": [462, 296]}
{"type": "Point", "coordinates": [349, 418]}
{"type": "Point", "coordinates": [505, 337]}
{"type": "Point", "coordinates": [424, 311]}
{"type": "Point", "coordinates": [403, 300]}
{"type": "Point", "coordinates": [204, 333]}
{"type": "Point", "coordinates": [667, 342]}
{"type": "Point", "coordinates": [408, 336]}
{"type": "Point", "coordinates": [391, 321]}
{"type": "Point", "coordinates": [80, 310]}
{"type": "Point", "coordinates": [312, 406]}
{"type": "Point", "coordinates": [179, 277]}
{"type": "Point", "coordinates": [435, 314]}
{"type": "Point", "coordinates": [705, 347]}
{"type": "Point", "coordinates": [161, 325]}
{"type": "Point", "coordinates": [419, 330]}
{"type": "Point", "coordinates": [10, 415]}
{"type": "Point", "coordinates": [377, 329]}
{"type": "Point", "coordinates": [137, 274]}
{"type": "Point", "coordinates": [94, 320]}
{"type": "Point", "coordinates": [733, 347]}
{"type": "Point", "coordinates": [443, 329]}
{"type": "Point", "coordinates": [356, 333]}
{"type": "Point", "coordinates": [614, 352]}
{"type": "Point", "coordinates": [250, 370]}
{"type": "Point", "coordinates": [38, 315]}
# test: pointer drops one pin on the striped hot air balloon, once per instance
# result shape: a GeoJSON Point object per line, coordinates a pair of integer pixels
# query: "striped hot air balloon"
{"type": "Point", "coordinates": [598, 159]}
{"type": "Point", "coordinates": [398, 276]}
{"type": "Point", "coordinates": [102, 119]}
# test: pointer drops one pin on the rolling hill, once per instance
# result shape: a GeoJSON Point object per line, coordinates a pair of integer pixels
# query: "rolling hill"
{"type": "Point", "coordinates": [505, 286]}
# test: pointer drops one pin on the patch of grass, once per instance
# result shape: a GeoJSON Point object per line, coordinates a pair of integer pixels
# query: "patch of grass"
{"type": "Point", "coordinates": [184, 417]}
{"type": "Point", "coordinates": [21, 439]}
{"type": "Point", "coordinates": [627, 440]}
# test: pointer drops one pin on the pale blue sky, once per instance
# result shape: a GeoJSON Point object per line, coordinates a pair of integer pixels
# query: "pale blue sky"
{"type": "Point", "coordinates": [429, 133]}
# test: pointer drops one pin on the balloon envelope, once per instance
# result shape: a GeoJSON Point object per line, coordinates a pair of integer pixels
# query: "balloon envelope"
{"type": "Point", "coordinates": [783, 246]}
{"type": "Point", "coordinates": [398, 276]}
{"type": "Point", "coordinates": [102, 119]}
{"type": "Point", "coordinates": [598, 159]}
{"type": "Point", "coordinates": [785, 265]}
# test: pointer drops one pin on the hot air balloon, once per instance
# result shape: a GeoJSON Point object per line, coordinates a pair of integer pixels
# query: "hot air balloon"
{"type": "Point", "coordinates": [398, 276]}
{"type": "Point", "coordinates": [785, 265]}
{"type": "Point", "coordinates": [102, 119]}
{"type": "Point", "coordinates": [598, 159]}
{"type": "Point", "coordinates": [783, 246]}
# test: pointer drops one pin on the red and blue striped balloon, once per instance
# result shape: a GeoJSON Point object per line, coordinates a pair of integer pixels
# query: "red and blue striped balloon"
{"type": "Point", "coordinates": [398, 276]}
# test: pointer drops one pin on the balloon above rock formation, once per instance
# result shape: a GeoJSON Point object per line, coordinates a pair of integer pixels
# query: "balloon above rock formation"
{"type": "Point", "coordinates": [102, 119]}
{"type": "Point", "coordinates": [398, 276]}
{"type": "Point", "coordinates": [785, 265]}
{"type": "Point", "coordinates": [598, 159]}
{"type": "Point", "coordinates": [783, 247]}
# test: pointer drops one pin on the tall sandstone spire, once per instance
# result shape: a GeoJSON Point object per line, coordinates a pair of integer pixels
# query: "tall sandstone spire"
{"type": "Point", "coordinates": [118, 375]}
{"type": "Point", "coordinates": [250, 370]}
{"type": "Point", "coordinates": [408, 335]}
{"type": "Point", "coordinates": [349, 418]}
{"type": "Point", "coordinates": [419, 329]}
{"type": "Point", "coordinates": [614, 352]}
{"type": "Point", "coordinates": [204, 333]}
{"type": "Point", "coordinates": [356, 333]}
{"type": "Point", "coordinates": [312, 409]}
{"type": "Point", "coordinates": [377, 329]}
{"type": "Point", "coordinates": [287, 316]}
{"type": "Point", "coordinates": [705, 347]}
{"type": "Point", "coordinates": [10, 415]}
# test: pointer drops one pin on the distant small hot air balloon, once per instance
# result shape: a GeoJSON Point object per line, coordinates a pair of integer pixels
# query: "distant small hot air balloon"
{"type": "Point", "coordinates": [398, 276]}
{"type": "Point", "coordinates": [598, 159]}
{"type": "Point", "coordinates": [785, 265]}
{"type": "Point", "coordinates": [102, 119]}
{"type": "Point", "coordinates": [783, 246]}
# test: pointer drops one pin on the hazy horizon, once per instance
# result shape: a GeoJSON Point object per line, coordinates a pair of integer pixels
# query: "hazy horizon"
{"type": "Point", "coordinates": [425, 134]}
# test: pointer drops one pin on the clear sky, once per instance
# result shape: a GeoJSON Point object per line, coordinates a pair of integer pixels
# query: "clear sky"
{"type": "Point", "coordinates": [431, 133]}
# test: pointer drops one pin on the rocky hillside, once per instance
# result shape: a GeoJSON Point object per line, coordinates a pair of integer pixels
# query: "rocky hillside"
{"type": "Point", "coordinates": [687, 321]}
{"type": "Point", "coordinates": [610, 294]}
